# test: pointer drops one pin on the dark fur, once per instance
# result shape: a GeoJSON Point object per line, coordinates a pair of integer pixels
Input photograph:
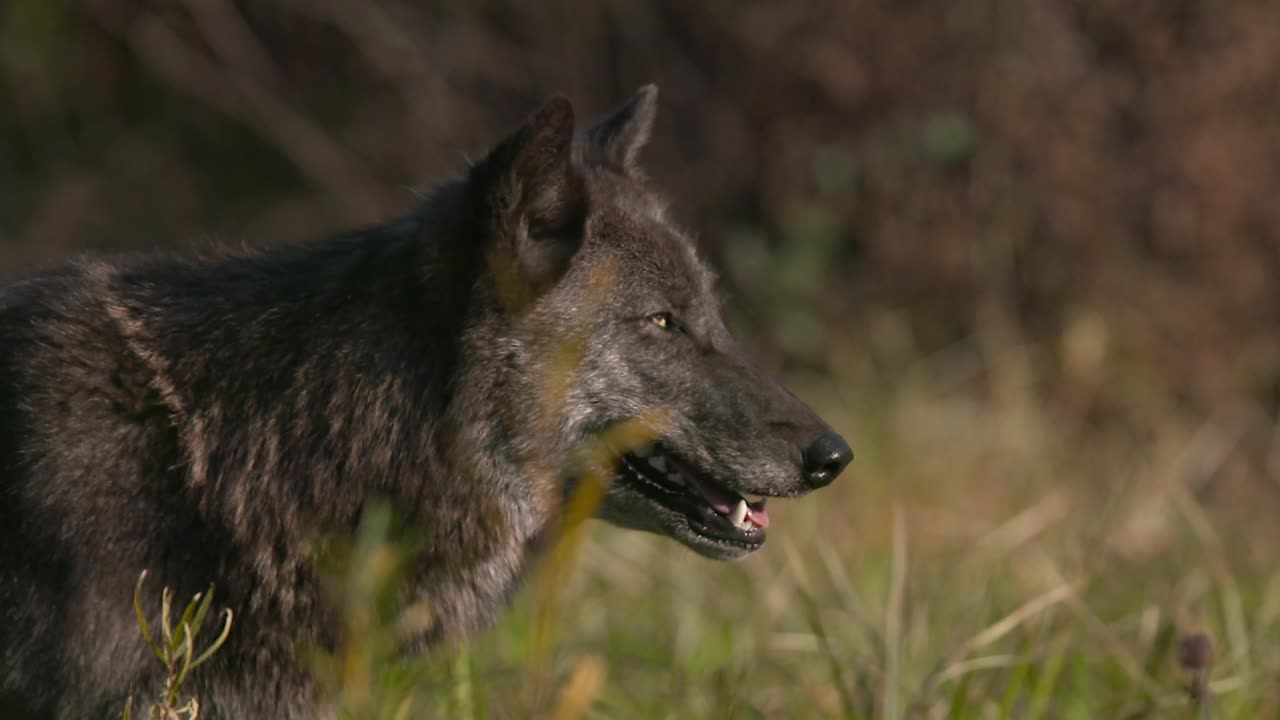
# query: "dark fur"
{"type": "Point", "coordinates": [200, 416]}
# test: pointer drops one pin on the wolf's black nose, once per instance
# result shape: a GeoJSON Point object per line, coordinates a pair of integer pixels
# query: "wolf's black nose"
{"type": "Point", "coordinates": [825, 458]}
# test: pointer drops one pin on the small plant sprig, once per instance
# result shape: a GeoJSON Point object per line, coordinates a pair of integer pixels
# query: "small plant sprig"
{"type": "Point", "coordinates": [176, 649]}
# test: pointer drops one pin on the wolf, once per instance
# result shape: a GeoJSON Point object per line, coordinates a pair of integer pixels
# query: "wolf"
{"type": "Point", "coordinates": [197, 415]}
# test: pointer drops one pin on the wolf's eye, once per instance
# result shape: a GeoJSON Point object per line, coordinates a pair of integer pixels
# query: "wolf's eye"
{"type": "Point", "coordinates": [663, 320]}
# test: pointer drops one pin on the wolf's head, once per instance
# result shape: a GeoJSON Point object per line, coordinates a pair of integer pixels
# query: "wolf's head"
{"type": "Point", "coordinates": [608, 314]}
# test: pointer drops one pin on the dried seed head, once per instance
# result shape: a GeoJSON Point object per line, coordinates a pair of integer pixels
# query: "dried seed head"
{"type": "Point", "coordinates": [1195, 652]}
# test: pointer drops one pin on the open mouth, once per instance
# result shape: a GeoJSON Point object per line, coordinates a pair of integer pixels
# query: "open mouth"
{"type": "Point", "coordinates": [713, 511]}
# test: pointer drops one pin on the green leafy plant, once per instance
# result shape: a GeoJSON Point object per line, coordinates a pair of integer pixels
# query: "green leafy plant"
{"type": "Point", "coordinates": [176, 649]}
{"type": "Point", "coordinates": [369, 674]}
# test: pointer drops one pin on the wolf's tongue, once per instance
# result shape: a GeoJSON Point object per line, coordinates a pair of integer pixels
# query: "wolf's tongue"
{"type": "Point", "coordinates": [757, 515]}
{"type": "Point", "coordinates": [721, 500]}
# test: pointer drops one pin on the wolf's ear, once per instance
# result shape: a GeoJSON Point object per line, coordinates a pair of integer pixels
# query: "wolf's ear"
{"type": "Point", "coordinates": [617, 139]}
{"type": "Point", "coordinates": [534, 202]}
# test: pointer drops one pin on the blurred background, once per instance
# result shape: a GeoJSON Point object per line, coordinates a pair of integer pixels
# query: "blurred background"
{"type": "Point", "coordinates": [1025, 254]}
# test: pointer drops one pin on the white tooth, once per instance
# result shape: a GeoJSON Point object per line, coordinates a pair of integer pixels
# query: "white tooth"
{"type": "Point", "coordinates": [676, 478]}
{"type": "Point", "coordinates": [739, 513]}
{"type": "Point", "coordinates": [658, 462]}
{"type": "Point", "coordinates": [643, 451]}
